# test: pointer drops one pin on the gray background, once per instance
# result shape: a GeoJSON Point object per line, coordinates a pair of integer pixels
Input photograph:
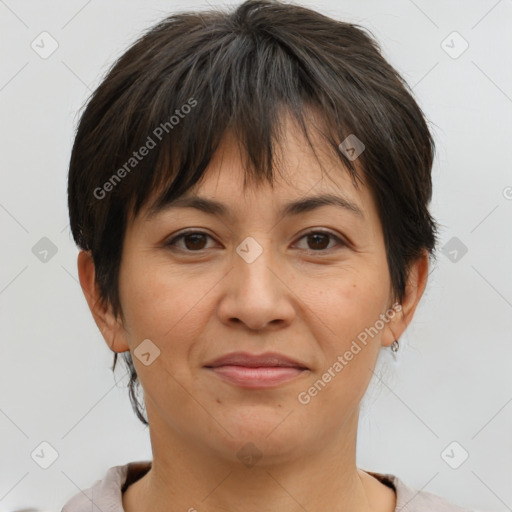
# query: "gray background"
{"type": "Point", "coordinates": [452, 381]}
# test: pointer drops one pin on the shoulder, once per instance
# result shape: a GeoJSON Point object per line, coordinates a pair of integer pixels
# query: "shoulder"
{"type": "Point", "coordinates": [409, 499]}
{"type": "Point", "coordinates": [106, 494]}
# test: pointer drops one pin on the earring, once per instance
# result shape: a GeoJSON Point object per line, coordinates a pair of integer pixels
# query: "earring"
{"type": "Point", "coordinates": [395, 346]}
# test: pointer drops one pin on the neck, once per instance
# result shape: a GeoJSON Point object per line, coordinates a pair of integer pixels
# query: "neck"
{"type": "Point", "coordinates": [192, 477]}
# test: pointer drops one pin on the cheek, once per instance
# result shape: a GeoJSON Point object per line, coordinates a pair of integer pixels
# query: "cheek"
{"type": "Point", "coordinates": [349, 343]}
{"type": "Point", "coordinates": [348, 352]}
{"type": "Point", "coordinates": [164, 305]}
{"type": "Point", "coordinates": [351, 303]}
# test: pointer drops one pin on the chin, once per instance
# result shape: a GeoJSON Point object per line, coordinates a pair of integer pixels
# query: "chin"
{"type": "Point", "coordinates": [258, 449]}
{"type": "Point", "coordinates": [264, 428]}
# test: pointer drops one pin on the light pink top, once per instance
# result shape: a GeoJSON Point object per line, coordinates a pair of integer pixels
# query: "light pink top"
{"type": "Point", "coordinates": [106, 495]}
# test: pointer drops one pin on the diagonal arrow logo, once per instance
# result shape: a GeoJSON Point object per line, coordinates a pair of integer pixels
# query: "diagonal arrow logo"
{"type": "Point", "coordinates": [147, 352]}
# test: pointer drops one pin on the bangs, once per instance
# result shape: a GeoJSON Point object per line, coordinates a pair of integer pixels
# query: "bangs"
{"type": "Point", "coordinates": [249, 81]}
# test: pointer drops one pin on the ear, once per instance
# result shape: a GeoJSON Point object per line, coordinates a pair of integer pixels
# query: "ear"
{"type": "Point", "coordinates": [416, 283]}
{"type": "Point", "coordinates": [110, 327]}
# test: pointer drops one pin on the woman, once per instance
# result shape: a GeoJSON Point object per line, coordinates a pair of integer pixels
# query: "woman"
{"type": "Point", "coordinates": [249, 191]}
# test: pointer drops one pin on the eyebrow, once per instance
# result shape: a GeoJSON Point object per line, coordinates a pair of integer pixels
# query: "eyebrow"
{"type": "Point", "coordinates": [299, 206]}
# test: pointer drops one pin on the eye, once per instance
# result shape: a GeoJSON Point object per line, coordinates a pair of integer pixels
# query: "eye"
{"type": "Point", "coordinates": [194, 241]}
{"type": "Point", "coordinates": [319, 240]}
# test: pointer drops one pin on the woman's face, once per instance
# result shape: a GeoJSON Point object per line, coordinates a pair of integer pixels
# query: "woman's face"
{"type": "Point", "coordinates": [256, 280]}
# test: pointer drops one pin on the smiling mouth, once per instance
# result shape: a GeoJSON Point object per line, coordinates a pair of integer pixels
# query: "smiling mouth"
{"type": "Point", "coordinates": [256, 377]}
{"type": "Point", "coordinates": [256, 371]}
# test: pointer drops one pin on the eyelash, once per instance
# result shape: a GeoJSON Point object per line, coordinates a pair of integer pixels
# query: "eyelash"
{"type": "Point", "coordinates": [184, 234]}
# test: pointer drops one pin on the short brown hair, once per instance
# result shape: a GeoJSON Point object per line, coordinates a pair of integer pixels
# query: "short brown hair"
{"type": "Point", "coordinates": [197, 74]}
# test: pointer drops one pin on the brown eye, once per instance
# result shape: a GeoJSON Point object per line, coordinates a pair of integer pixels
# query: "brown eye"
{"type": "Point", "coordinates": [318, 241]}
{"type": "Point", "coordinates": [193, 241]}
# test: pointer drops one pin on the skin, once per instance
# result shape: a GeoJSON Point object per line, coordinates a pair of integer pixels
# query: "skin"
{"type": "Point", "coordinates": [196, 306]}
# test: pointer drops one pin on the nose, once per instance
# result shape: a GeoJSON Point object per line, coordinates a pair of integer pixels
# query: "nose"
{"type": "Point", "coordinates": [256, 293]}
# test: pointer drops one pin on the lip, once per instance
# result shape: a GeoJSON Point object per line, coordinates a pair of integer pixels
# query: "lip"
{"type": "Point", "coordinates": [267, 359]}
{"type": "Point", "coordinates": [256, 371]}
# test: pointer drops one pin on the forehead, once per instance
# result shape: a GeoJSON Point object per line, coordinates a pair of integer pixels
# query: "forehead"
{"type": "Point", "coordinates": [300, 173]}
{"type": "Point", "coordinates": [298, 169]}
{"type": "Point", "coordinates": [298, 185]}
